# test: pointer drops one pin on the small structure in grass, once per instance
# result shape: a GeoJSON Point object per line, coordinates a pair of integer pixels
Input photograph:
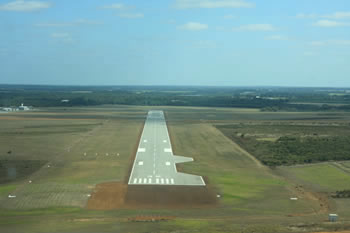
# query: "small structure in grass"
{"type": "Point", "coordinates": [332, 217]}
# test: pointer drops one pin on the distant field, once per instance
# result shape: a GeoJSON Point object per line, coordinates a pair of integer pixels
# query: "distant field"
{"type": "Point", "coordinates": [83, 147]}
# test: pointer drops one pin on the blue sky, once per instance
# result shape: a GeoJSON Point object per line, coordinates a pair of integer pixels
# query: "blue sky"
{"type": "Point", "coordinates": [176, 42]}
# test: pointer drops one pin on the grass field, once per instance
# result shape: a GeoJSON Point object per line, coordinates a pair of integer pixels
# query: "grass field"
{"type": "Point", "coordinates": [83, 147]}
{"type": "Point", "coordinates": [323, 177]}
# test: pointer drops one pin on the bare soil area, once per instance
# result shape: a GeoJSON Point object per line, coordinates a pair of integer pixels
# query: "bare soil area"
{"type": "Point", "coordinates": [169, 196]}
{"type": "Point", "coordinates": [116, 195]}
{"type": "Point", "coordinates": [107, 196]}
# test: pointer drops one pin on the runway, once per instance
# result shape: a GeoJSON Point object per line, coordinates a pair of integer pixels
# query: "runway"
{"type": "Point", "coordinates": [154, 162]}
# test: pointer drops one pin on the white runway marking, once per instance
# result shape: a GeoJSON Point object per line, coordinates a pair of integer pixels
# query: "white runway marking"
{"type": "Point", "coordinates": [155, 136]}
{"type": "Point", "coordinates": [141, 150]}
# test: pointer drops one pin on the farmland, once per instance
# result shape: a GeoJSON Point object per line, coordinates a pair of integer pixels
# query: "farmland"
{"type": "Point", "coordinates": [59, 156]}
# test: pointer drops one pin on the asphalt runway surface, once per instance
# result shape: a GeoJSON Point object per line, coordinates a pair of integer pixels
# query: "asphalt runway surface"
{"type": "Point", "coordinates": [155, 163]}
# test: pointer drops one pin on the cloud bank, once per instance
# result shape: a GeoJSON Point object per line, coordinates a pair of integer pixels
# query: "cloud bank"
{"type": "Point", "coordinates": [24, 6]}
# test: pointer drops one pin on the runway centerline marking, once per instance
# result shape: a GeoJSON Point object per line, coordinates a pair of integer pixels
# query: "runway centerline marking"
{"type": "Point", "coordinates": [155, 134]}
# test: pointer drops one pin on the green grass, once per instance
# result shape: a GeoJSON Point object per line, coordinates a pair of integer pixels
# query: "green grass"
{"type": "Point", "coordinates": [234, 175]}
{"type": "Point", "coordinates": [325, 176]}
{"type": "Point", "coordinates": [7, 188]}
{"type": "Point", "coordinates": [253, 196]}
{"type": "Point", "coordinates": [40, 212]}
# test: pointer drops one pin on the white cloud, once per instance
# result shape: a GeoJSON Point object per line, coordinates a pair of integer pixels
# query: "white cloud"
{"type": "Point", "coordinates": [123, 11]}
{"type": "Point", "coordinates": [131, 15]}
{"type": "Point", "coordinates": [276, 37]}
{"type": "Point", "coordinates": [24, 6]}
{"type": "Point", "coordinates": [229, 16]}
{"type": "Point", "coordinates": [220, 28]}
{"type": "Point", "coordinates": [331, 42]}
{"type": "Point", "coordinates": [204, 44]}
{"type": "Point", "coordinates": [69, 24]}
{"type": "Point", "coordinates": [340, 42]}
{"type": "Point", "coordinates": [53, 24]}
{"type": "Point", "coordinates": [115, 6]}
{"type": "Point", "coordinates": [193, 26]}
{"type": "Point", "coordinates": [309, 54]}
{"type": "Point", "coordinates": [338, 15]}
{"type": "Point", "coordinates": [60, 35]}
{"type": "Point", "coordinates": [330, 23]}
{"type": "Point", "coordinates": [87, 22]}
{"type": "Point", "coordinates": [256, 27]}
{"type": "Point", "coordinates": [306, 16]}
{"type": "Point", "coordinates": [187, 4]}
{"type": "Point", "coordinates": [317, 43]}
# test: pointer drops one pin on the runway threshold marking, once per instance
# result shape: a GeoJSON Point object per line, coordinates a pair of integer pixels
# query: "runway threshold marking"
{"type": "Point", "coordinates": [164, 161]}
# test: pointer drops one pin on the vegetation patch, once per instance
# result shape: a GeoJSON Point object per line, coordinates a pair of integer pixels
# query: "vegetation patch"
{"type": "Point", "coordinates": [342, 194]}
{"type": "Point", "coordinates": [4, 190]}
{"type": "Point", "coordinates": [291, 148]}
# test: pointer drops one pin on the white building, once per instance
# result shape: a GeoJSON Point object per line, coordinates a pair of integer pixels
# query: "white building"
{"type": "Point", "coordinates": [14, 109]}
{"type": "Point", "coordinates": [23, 108]}
{"type": "Point", "coordinates": [7, 109]}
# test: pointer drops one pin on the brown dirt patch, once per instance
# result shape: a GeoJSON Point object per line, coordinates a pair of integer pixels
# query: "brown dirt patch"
{"type": "Point", "coordinates": [322, 199]}
{"type": "Point", "coordinates": [169, 196]}
{"type": "Point", "coordinates": [107, 196]}
{"type": "Point", "coordinates": [116, 195]}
